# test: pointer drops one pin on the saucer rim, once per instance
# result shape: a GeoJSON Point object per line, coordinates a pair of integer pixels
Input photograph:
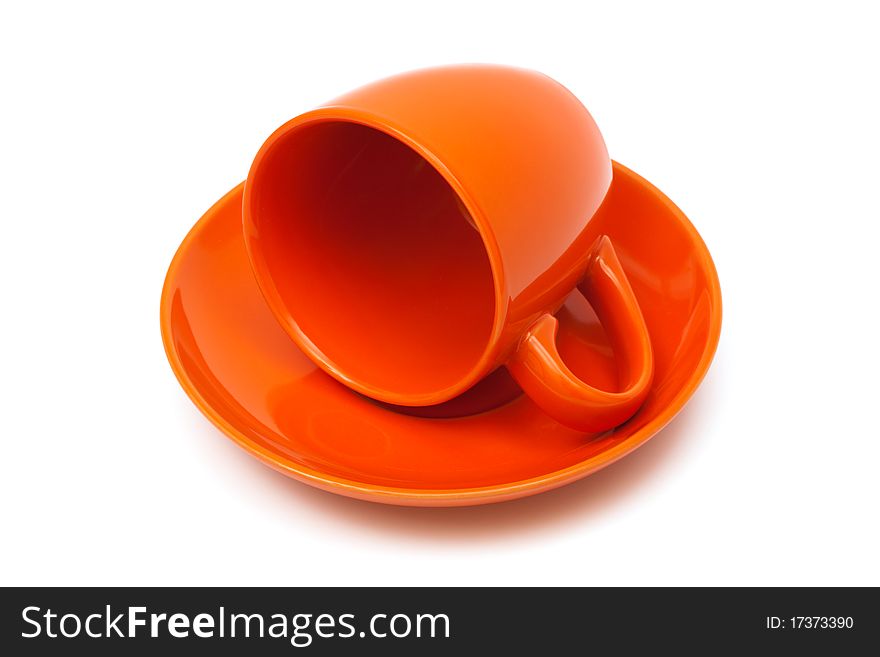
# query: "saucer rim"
{"type": "Point", "coordinates": [442, 497]}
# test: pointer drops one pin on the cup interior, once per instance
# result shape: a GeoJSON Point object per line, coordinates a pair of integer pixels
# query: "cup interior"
{"type": "Point", "coordinates": [368, 253]}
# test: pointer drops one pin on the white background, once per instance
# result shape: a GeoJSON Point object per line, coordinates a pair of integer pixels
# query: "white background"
{"type": "Point", "coordinates": [120, 126]}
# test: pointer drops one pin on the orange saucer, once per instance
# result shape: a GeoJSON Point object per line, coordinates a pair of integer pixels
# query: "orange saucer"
{"type": "Point", "coordinates": [245, 374]}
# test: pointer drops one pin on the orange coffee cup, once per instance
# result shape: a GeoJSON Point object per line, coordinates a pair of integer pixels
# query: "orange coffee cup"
{"type": "Point", "coordinates": [416, 234]}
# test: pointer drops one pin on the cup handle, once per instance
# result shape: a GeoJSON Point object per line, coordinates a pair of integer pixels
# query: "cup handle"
{"type": "Point", "coordinates": [540, 372]}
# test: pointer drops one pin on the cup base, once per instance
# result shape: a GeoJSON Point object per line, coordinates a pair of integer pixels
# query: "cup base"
{"type": "Point", "coordinates": [243, 371]}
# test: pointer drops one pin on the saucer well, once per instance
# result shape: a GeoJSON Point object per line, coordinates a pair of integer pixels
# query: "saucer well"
{"type": "Point", "coordinates": [244, 373]}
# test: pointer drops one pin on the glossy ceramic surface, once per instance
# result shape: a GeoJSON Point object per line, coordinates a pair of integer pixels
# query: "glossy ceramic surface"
{"type": "Point", "coordinates": [445, 212]}
{"type": "Point", "coordinates": [245, 374]}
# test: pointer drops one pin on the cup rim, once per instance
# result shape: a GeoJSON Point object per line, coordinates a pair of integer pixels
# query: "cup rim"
{"type": "Point", "coordinates": [488, 360]}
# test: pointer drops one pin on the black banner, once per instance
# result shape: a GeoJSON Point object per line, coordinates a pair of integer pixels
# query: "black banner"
{"type": "Point", "coordinates": [278, 621]}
